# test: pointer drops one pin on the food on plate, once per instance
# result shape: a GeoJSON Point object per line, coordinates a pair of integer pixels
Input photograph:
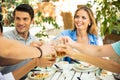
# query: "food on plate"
{"type": "Point", "coordinates": [84, 65]}
{"type": "Point", "coordinates": [81, 66]}
{"type": "Point", "coordinates": [103, 73]}
{"type": "Point", "coordinates": [39, 75]}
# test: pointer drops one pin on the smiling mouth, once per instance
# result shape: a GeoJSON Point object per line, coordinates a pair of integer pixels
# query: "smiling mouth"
{"type": "Point", "coordinates": [79, 24]}
{"type": "Point", "coordinates": [20, 27]}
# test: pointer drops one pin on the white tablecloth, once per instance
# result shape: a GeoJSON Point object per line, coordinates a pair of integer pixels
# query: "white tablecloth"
{"type": "Point", "coordinates": [73, 75]}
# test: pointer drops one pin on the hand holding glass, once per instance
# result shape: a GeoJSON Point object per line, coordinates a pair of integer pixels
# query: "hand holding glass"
{"type": "Point", "coordinates": [59, 53]}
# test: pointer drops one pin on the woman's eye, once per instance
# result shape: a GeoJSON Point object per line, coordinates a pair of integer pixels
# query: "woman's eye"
{"type": "Point", "coordinates": [83, 17]}
{"type": "Point", "coordinates": [76, 16]}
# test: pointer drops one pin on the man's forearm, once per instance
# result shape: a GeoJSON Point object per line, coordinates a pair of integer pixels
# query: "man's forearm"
{"type": "Point", "coordinates": [8, 62]}
{"type": "Point", "coordinates": [16, 50]}
{"type": "Point", "coordinates": [19, 73]}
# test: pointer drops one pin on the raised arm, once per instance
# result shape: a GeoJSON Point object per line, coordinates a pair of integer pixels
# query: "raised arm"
{"type": "Point", "coordinates": [100, 62]}
{"type": "Point", "coordinates": [16, 50]}
{"type": "Point", "coordinates": [101, 51]}
{"type": "Point", "coordinates": [97, 61]}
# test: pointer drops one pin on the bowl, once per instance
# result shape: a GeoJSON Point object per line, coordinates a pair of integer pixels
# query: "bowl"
{"type": "Point", "coordinates": [63, 65]}
{"type": "Point", "coordinates": [41, 74]}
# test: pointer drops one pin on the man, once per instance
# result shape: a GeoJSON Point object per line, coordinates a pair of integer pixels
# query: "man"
{"type": "Point", "coordinates": [23, 17]}
{"type": "Point", "coordinates": [16, 51]}
{"type": "Point", "coordinates": [93, 54]}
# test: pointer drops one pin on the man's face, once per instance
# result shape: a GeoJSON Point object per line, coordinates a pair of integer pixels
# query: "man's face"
{"type": "Point", "coordinates": [22, 22]}
{"type": "Point", "coordinates": [0, 33]}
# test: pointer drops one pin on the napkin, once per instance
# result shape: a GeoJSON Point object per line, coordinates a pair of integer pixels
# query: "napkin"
{"type": "Point", "coordinates": [8, 76]}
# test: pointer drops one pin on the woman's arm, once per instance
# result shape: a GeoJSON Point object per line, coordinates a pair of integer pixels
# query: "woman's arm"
{"type": "Point", "coordinates": [101, 51]}
{"type": "Point", "coordinates": [100, 62]}
{"type": "Point", "coordinates": [97, 61]}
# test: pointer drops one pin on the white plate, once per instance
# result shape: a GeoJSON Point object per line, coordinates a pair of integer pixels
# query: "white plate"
{"type": "Point", "coordinates": [64, 65]}
{"type": "Point", "coordinates": [84, 67]}
{"type": "Point", "coordinates": [42, 74]}
{"type": "Point", "coordinates": [104, 74]}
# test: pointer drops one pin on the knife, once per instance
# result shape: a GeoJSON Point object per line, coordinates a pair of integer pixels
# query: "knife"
{"type": "Point", "coordinates": [73, 60]}
{"type": "Point", "coordinates": [57, 66]}
{"type": "Point", "coordinates": [34, 70]}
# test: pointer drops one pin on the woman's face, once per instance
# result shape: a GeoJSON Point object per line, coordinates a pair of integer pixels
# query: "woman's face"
{"type": "Point", "coordinates": [82, 20]}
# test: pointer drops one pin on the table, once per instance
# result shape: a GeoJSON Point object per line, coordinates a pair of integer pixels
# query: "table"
{"type": "Point", "coordinates": [74, 75]}
{"type": "Point", "coordinates": [58, 75]}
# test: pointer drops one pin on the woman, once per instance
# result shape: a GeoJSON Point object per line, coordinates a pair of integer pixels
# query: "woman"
{"type": "Point", "coordinates": [85, 29]}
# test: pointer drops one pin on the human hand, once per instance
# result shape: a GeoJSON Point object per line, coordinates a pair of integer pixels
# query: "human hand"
{"type": "Point", "coordinates": [46, 61]}
{"type": "Point", "coordinates": [36, 43]}
{"type": "Point", "coordinates": [48, 50]}
{"type": "Point", "coordinates": [69, 51]}
{"type": "Point", "coordinates": [67, 40]}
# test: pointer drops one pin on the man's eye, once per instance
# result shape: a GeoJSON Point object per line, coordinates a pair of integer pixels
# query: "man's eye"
{"type": "Point", "coordinates": [17, 18]}
{"type": "Point", "coordinates": [25, 19]}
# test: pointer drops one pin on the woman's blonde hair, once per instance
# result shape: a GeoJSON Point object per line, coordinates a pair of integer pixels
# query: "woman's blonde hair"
{"type": "Point", "coordinates": [92, 28]}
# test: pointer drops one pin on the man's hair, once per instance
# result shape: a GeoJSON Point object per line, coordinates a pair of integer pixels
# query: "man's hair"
{"type": "Point", "coordinates": [1, 13]}
{"type": "Point", "coordinates": [25, 8]}
{"type": "Point", "coordinates": [1, 27]}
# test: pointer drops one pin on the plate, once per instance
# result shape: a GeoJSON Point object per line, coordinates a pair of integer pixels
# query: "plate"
{"type": "Point", "coordinates": [104, 74]}
{"type": "Point", "coordinates": [63, 65]}
{"type": "Point", "coordinates": [84, 67]}
{"type": "Point", "coordinates": [40, 73]}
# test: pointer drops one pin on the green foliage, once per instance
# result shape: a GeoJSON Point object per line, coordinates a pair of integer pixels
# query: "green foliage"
{"type": "Point", "coordinates": [40, 20]}
{"type": "Point", "coordinates": [9, 6]}
{"type": "Point", "coordinates": [107, 13]}
{"type": "Point", "coordinates": [41, 34]}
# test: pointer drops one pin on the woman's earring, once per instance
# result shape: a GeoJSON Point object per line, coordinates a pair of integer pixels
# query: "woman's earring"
{"type": "Point", "coordinates": [89, 25]}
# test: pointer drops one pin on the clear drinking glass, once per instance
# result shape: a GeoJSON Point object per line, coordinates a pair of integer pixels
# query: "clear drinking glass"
{"type": "Point", "coordinates": [56, 43]}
